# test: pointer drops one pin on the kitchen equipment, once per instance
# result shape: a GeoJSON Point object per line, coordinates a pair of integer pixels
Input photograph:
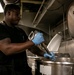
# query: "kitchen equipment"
{"type": "Point", "coordinates": [62, 66]}
{"type": "Point", "coordinates": [31, 36]}
{"type": "Point", "coordinates": [44, 67]}
{"type": "Point", "coordinates": [45, 48]}
{"type": "Point", "coordinates": [55, 42]}
{"type": "Point", "coordinates": [31, 62]}
{"type": "Point", "coordinates": [61, 55]}
{"type": "Point", "coordinates": [70, 19]}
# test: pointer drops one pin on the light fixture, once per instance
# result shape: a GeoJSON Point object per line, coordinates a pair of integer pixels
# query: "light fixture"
{"type": "Point", "coordinates": [1, 9]}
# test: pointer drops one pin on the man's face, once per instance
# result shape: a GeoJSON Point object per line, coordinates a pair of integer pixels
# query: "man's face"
{"type": "Point", "coordinates": [14, 17]}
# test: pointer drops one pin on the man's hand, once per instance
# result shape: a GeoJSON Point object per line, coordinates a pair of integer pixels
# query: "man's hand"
{"type": "Point", "coordinates": [51, 56]}
{"type": "Point", "coordinates": [38, 38]}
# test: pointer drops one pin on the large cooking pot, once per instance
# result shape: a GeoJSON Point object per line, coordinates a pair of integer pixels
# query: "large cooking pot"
{"type": "Point", "coordinates": [62, 66]}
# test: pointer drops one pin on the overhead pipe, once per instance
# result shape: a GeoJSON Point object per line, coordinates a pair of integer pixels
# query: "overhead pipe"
{"type": "Point", "coordinates": [31, 1]}
{"type": "Point", "coordinates": [11, 1]}
{"type": "Point", "coordinates": [38, 18]}
{"type": "Point", "coordinates": [38, 12]}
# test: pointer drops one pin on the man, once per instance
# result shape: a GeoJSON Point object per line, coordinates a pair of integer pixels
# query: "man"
{"type": "Point", "coordinates": [13, 44]}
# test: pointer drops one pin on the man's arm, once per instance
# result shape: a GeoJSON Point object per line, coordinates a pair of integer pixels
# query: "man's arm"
{"type": "Point", "coordinates": [10, 48]}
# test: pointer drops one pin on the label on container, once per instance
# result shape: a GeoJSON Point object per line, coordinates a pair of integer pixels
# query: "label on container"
{"type": "Point", "coordinates": [45, 69]}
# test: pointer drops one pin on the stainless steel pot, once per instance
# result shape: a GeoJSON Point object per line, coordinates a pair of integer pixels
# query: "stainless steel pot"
{"type": "Point", "coordinates": [62, 66]}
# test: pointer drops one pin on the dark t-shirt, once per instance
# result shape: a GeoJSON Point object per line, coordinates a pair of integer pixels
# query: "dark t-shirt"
{"type": "Point", "coordinates": [17, 61]}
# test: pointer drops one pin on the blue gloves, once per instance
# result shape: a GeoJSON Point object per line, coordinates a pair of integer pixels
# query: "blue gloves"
{"type": "Point", "coordinates": [38, 38]}
{"type": "Point", "coordinates": [51, 56]}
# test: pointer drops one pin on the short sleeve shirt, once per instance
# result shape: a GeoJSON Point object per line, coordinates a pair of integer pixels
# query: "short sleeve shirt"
{"type": "Point", "coordinates": [17, 35]}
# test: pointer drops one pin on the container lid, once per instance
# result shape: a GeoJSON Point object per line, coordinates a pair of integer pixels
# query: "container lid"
{"type": "Point", "coordinates": [64, 63]}
{"type": "Point", "coordinates": [44, 61]}
{"type": "Point", "coordinates": [63, 59]}
{"type": "Point", "coordinates": [54, 44]}
{"type": "Point", "coordinates": [60, 61]}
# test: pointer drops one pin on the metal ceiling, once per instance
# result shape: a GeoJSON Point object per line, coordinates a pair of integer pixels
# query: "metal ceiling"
{"type": "Point", "coordinates": [48, 12]}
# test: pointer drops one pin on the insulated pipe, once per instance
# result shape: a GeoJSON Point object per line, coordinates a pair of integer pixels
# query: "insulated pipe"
{"type": "Point", "coordinates": [10, 1]}
{"type": "Point", "coordinates": [31, 1]}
